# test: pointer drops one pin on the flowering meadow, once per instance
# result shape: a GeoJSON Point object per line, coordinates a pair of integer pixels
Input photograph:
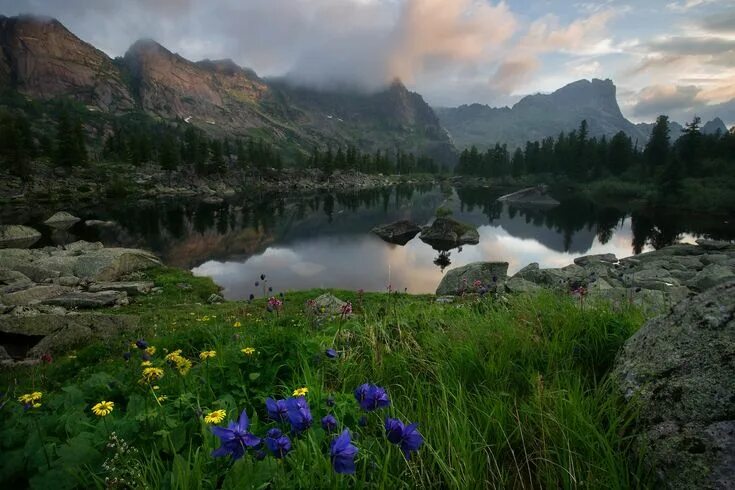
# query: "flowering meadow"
{"type": "Point", "coordinates": [397, 392]}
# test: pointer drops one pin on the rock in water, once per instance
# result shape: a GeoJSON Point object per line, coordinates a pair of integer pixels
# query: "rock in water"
{"type": "Point", "coordinates": [62, 220]}
{"type": "Point", "coordinates": [680, 369]}
{"type": "Point", "coordinates": [462, 279]}
{"type": "Point", "coordinates": [400, 232]}
{"type": "Point", "coordinates": [446, 233]}
{"type": "Point", "coordinates": [532, 196]}
{"type": "Point", "coordinates": [17, 236]}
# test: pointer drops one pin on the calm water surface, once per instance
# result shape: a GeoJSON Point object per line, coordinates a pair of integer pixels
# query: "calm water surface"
{"type": "Point", "coordinates": [324, 240]}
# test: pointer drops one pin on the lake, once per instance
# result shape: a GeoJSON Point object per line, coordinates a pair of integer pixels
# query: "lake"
{"type": "Point", "coordinates": [323, 240]}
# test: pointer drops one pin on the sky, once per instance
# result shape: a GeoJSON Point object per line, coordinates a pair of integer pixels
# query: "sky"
{"type": "Point", "coordinates": [674, 57]}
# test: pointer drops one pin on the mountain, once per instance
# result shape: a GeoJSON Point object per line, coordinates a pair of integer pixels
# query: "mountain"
{"type": "Point", "coordinates": [538, 116]}
{"type": "Point", "coordinates": [676, 129]}
{"type": "Point", "coordinates": [713, 126]}
{"type": "Point", "coordinates": [41, 59]}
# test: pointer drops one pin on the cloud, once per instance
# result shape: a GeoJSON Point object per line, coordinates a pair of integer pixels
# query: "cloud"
{"type": "Point", "coordinates": [663, 99]}
{"type": "Point", "coordinates": [512, 73]}
{"type": "Point", "coordinates": [723, 22]}
{"type": "Point", "coordinates": [685, 5]}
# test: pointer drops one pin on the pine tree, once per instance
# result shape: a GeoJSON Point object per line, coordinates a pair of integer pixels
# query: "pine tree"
{"type": "Point", "coordinates": [657, 148]}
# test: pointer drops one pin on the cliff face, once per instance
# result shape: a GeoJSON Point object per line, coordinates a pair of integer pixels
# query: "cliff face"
{"type": "Point", "coordinates": [539, 116]}
{"type": "Point", "coordinates": [41, 59]}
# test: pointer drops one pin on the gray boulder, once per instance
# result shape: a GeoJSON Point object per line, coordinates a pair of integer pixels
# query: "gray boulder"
{"type": "Point", "coordinates": [711, 276]}
{"type": "Point", "coordinates": [11, 281]}
{"type": "Point", "coordinates": [446, 233]}
{"type": "Point", "coordinates": [679, 370]}
{"type": "Point", "coordinates": [132, 288]}
{"type": "Point", "coordinates": [33, 336]}
{"type": "Point", "coordinates": [17, 236]}
{"type": "Point", "coordinates": [461, 279]}
{"type": "Point", "coordinates": [326, 305]}
{"type": "Point", "coordinates": [400, 232]}
{"type": "Point", "coordinates": [33, 295]}
{"type": "Point", "coordinates": [537, 196]}
{"type": "Point", "coordinates": [588, 259]}
{"type": "Point", "coordinates": [82, 299]}
{"type": "Point", "coordinates": [215, 299]}
{"type": "Point", "coordinates": [62, 220]}
{"type": "Point", "coordinates": [517, 284]}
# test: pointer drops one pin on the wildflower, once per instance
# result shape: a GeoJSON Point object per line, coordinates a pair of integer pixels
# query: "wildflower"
{"type": "Point", "coordinates": [215, 417]}
{"type": "Point", "coordinates": [363, 421]}
{"type": "Point", "coordinates": [156, 387]}
{"type": "Point", "coordinates": [127, 355]}
{"type": "Point", "coordinates": [252, 296]}
{"type": "Point", "coordinates": [260, 455]}
{"type": "Point", "coordinates": [331, 353]}
{"type": "Point", "coordinates": [371, 397]}
{"type": "Point", "coordinates": [161, 398]}
{"type": "Point", "coordinates": [248, 351]}
{"type": "Point", "coordinates": [47, 358]}
{"type": "Point", "coordinates": [237, 324]}
{"type": "Point", "coordinates": [346, 309]}
{"type": "Point", "coordinates": [257, 283]}
{"type": "Point", "coordinates": [31, 398]}
{"type": "Point", "coordinates": [270, 289]}
{"type": "Point", "coordinates": [103, 408]}
{"type": "Point", "coordinates": [207, 354]}
{"type": "Point", "coordinates": [277, 443]}
{"type": "Point", "coordinates": [277, 409]}
{"type": "Point", "coordinates": [262, 277]}
{"type": "Point", "coordinates": [330, 401]}
{"type": "Point", "coordinates": [235, 438]}
{"type": "Point", "coordinates": [151, 374]}
{"type": "Point", "coordinates": [172, 355]}
{"type": "Point", "coordinates": [151, 350]}
{"type": "Point", "coordinates": [182, 365]}
{"type": "Point", "coordinates": [408, 437]}
{"type": "Point", "coordinates": [141, 344]}
{"type": "Point", "coordinates": [477, 284]}
{"type": "Point", "coordinates": [301, 391]}
{"type": "Point", "coordinates": [343, 453]}
{"type": "Point", "coordinates": [146, 363]}
{"type": "Point", "coordinates": [329, 423]}
{"type": "Point", "coordinates": [145, 356]}
{"type": "Point", "coordinates": [274, 304]}
{"type": "Point", "coordinates": [299, 414]}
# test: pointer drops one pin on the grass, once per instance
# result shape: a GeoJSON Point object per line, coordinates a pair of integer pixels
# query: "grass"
{"type": "Point", "coordinates": [508, 393]}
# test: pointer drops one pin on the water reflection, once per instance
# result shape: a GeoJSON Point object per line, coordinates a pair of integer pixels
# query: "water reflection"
{"type": "Point", "coordinates": [323, 239]}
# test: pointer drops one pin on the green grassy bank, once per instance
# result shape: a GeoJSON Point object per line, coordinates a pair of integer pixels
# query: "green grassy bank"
{"type": "Point", "coordinates": [508, 393]}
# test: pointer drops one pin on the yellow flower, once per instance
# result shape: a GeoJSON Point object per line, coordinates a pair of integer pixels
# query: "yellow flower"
{"type": "Point", "coordinates": [161, 398]}
{"type": "Point", "coordinates": [150, 350]}
{"type": "Point", "coordinates": [215, 417]}
{"type": "Point", "coordinates": [248, 351]}
{"type": "Point", "coordinates": [300, 391]}
{"type": "Point", "coordinates": [207, 354]}
{"type": "Point", "coordinates": [31, 398]}
{"type": "Point", "coordinates": [173, 355]}
{"type": "Point", "coordinates": [146, 363]}
{"type": "Point", "coordinates": [151, 374]}
{"type": "Point", "coordinates": [103, 408]}
{"type": "Point", "coordinates": [156, 387]}
{"type": "Point", "coordinates": [237, 324]}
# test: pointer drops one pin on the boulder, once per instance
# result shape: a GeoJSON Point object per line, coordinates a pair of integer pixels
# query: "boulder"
{"type": "Point", "coordinates": [82, 299]}
{"type": "Point", "coordinates": [215, 299]}
{"type": "Point", "coordinates": [715, 244]}
{"type": "Point", "coordinates": [36, 273]}
{"type": "Point", "coordinates": [517, 284]}
{"type": "Point", "coordinates": [461, 279]}
{"type": "Point", "coordinates": [100, 223]}
{"type": "Point", "coordinates": [33, 295]}
{"type": "Point", "coordinates": [400, 232]}
{"type": "Point", "coordinates": [327, 305]}
{"type": "Point", "coordinates": [62, 220]}
{"type": "Point", "coordinates": [446, 233]}
{"type": "Point", "coordinates": [531, 196]}
{"type": "Point", "coordinates": [98, 264]}
{"type": "Point", "coordinates": [588, 259]}
{"type": "Point", "coordinates": [17, 236]}
{"type": "Point", "coordinates": [80, 247]}
{"type": "Point", "coordinates": [711, 276]}
{"type": "Point", "coordinates": [132, 288]}
{"type": "Point", "coordinates": [33, 336]}
{"type": "Point", "coordinates": [679, 370]}
{"type": "Point", "coordinates": [11, 281]}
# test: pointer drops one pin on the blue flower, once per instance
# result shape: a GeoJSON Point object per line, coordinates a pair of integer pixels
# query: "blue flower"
{"type": "Point", "coordinates": [277, 409]}
{"type": "Point", "coordinates": [330, 401]}
{"type": "Point", "coordinates": [329, 423]}
{"type": "Point", "coordinates": [371, 397]}
{"type": "Point", "coordinates": [141, 344]}
{"type": "Point", "coordinates": [277, 442]}
{"type": "Point", "coordinates": [363, 421]}
{"type": "Point", "coordinates": [260, 455]}
{"type": "Point", "coordinates": [235, 439]}
{"type": "Point", "coordinates": [343, 453]}
{"type": "Point", "coordinates": [262, 277]}
{"type": "Point", "coordinates": [408, 437]}
{"type": "Point", "coordinates": [331, 353]}
{"type": "Point", "coordinates": [299, 414]}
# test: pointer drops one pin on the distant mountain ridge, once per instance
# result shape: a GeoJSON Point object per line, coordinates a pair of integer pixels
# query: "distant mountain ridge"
{"type": "Point", "coordinates": [539, 116]}
{"type": "Point", "coordinates": [41, 59]}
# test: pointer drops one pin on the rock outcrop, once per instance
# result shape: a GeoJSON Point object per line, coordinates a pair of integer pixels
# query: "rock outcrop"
{"type": "Point", "coordinates": [537, 196]}
{"type": "Point", "coordinates": [400, 232]}
{"type": "Point", "coordinates": [680, 371]}
{"type": "Point", "coordinates": [62, 220]}
{"type": "Point", "coordinates": [475, 277]}
{"type": "Point", "coordinates": [446, 233]}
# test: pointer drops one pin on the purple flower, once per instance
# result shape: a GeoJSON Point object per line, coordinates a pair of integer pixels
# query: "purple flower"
{"type": "Point", "coordinates": [329, 423]}
{"type": "Point", "coordinates": [260, 455]}
{"type": "Point", "coordinates": [408, 437]}
{"type": "Point", "coordinates": [277, 409]}
{"type": "Point", "coordinates": [141, 344]}
{"type": "Point", "coordinates": [257, 284]}
{"type": "Point", "coordinates": [371, 397]}
{"type": "Point", "coordinates": [127, 356]}
{"type": "Point", "coordinates": [277, 442]}
{"type": "Point", "coordinates": [262, 277]}
{"type": "Point", "coordinates": [330, 401]}
{"type": "Point", "coordinates": [343, 453]}
{"type": "Point", "coordinates": [331, 353]}
{"type": "Point", "coordinates": [299, 414]}
{"type": "Point", "coordinates": [145, 356]}
{"type": "Point", "coordinates": [363, 421]}
{"type": "Point", "coordinates": [235, 439]}
{"type": "Point", "coordinates": [270, 289]}
{"type": "Point", "coordinates": [252, 296]}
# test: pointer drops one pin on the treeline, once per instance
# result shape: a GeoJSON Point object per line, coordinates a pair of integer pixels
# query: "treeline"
{"type": "Point", "coordinates": [582, 158]}
{"type": "Point", "coordinates": [68, 137]}
{"type": "Point", "coordinates": [384, 162]}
